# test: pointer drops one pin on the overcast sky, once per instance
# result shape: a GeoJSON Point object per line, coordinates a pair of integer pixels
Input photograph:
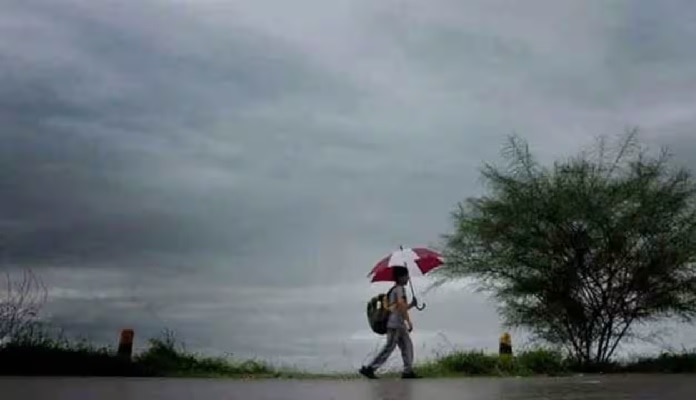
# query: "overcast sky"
{"type": "Point", "coordinates": [232, 169]}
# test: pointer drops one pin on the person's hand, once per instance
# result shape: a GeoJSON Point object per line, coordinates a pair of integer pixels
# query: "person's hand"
{"type": "Point", "coordinates": [414, 302]}
{"type": "Point", "coordinates": [410, 327]}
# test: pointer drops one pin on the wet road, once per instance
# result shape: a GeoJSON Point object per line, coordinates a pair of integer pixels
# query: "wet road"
{"type": "Point", "coordinates": [580, 387]}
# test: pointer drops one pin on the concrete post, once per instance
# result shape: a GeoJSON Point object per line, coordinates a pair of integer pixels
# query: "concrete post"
{"type": "Point", "coordinates": [125, 343]}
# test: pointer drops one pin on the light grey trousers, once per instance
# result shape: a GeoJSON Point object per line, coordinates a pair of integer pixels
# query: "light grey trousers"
{"type": "Point", "coordinates": [396, 337]}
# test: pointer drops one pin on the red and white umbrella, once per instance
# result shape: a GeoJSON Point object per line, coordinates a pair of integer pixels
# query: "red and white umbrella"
{"type": "Point", "coordinates": [422, 259]}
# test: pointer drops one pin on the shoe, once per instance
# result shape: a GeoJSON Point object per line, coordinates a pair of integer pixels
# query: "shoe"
{"type": "Point", "coordinates": [368, 373]}
{"type": "Point", "coordinates": [410, 375]}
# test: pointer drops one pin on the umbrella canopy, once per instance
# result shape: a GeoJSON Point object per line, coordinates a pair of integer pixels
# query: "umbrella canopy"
{"type": "Point", "coordinates": [422, 259]}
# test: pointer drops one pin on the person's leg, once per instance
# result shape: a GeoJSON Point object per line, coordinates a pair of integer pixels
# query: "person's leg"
{"type": "Point", "coordinates": [406, 348]}
{"type": "Point", "coordinates": [369, 370]}
{"type": "Point", "coordinates": [389, 346]}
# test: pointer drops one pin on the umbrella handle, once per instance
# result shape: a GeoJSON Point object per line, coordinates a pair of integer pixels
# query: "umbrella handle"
{"type": "Point", "coordinates": [413, 293]}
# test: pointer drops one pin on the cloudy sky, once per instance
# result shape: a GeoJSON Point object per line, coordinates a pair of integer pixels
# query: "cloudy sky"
{"type": "Point", "coordinates": [232, 169]}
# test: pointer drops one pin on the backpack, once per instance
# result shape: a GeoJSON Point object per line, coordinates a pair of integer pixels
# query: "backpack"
{"type": "Point", "coordinates": [378, 313]}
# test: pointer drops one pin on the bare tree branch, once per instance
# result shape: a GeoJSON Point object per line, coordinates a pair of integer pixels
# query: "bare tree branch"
{"type": "Point", "coordinates": [21, 303]}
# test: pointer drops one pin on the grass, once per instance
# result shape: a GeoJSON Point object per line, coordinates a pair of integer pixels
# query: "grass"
{"type": "Point", "coordinates": [478, 363]}
{"type": "Point", "coordinates": [550, 363]}
{"type": "Point", "coordinates": [165, 358]}
{"type": "Point", "coordinates": [42, 355]}
{"type": "Point", "coordinates": [50, 356]}
{"type": "Point", "coordinates": [684, 362]}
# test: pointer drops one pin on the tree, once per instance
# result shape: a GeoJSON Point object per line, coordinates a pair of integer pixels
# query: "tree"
{"type": "Point", "coordinates": [581, 251]}
{"type": "Point", "coordinates": [20, 303]}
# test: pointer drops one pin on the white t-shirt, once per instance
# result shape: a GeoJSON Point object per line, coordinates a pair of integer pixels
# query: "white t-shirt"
{"type": "Point", "coordinates": [396, 320]}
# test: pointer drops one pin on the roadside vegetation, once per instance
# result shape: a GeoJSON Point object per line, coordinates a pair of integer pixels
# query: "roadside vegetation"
{"type": "Point", "coordinates": [165, 357]}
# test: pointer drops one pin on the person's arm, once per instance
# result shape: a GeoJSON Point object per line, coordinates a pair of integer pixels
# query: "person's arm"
{"type": "Point", "coordinates": [402, 307]}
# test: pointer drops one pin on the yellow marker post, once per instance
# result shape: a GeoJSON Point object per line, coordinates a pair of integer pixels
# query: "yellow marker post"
{"type": "Point", "coordinates": [505, 345]}
{"type": "Point", "coordinates": [125, 343]}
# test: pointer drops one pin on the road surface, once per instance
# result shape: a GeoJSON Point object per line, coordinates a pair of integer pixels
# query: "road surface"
{"type": "Point", "coordinates": [579, 387]}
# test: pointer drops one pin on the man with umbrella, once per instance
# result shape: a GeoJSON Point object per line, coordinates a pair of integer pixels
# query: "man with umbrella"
{"type": "Point", "coordinates": [399, 325]}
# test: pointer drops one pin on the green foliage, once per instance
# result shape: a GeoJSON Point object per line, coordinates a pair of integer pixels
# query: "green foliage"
{"type": "Point", "coordinates": [42, 354]}
{"type": "Point", "coordinates": [684, 362]}
{"type": "Point", "coordinates": [478, 363]}
{"type": "Point", "coordinates": [580, 251]}
{"type": "Point", "coordinates": [470, 362]}
{"type": "Point", "coordinates": [165, 358]}
{"type": "Point", "coordinates": [542, 361]}
{"type": "Point", "coordinates": [47, 356]}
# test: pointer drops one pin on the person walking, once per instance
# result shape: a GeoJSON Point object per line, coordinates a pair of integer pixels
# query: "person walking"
{"type": "Point", "coordinates": [399, 327]}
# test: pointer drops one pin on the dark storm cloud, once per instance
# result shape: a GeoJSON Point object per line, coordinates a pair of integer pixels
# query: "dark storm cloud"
{"type": "Point", "coordinates": [124, 146]}
{"type": "Point", "coordinates": [232, 170]}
